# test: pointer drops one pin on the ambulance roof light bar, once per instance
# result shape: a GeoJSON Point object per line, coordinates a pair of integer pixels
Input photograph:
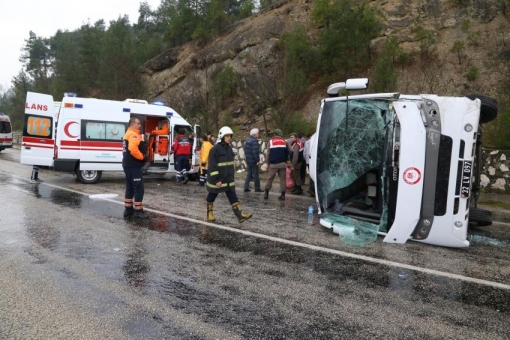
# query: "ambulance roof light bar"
{"type": "Point", "coordinates": [139, 101]}
{"type": "Point", "coordinates": [350, 84]}
{"type": "Point", "coordinates": [70, 94]}
{"type": "Point", "coordinates": [158, 102]}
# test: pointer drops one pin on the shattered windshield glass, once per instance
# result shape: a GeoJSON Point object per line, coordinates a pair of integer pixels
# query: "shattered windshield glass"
{"type": "Point", "coordinates": [351, 143]}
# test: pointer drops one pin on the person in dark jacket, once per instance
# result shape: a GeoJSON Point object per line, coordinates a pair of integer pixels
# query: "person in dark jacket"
{"type": "Point", "coordinates": [134, 154]}
{"type": "Point", "coordinates": [252, 154]}
{"type": "Point", "coordinates": [221, 176]}
{"type": "Point", "coordinates": [296, 161]}
{"type": "Point", "coordinates": [277, 155]}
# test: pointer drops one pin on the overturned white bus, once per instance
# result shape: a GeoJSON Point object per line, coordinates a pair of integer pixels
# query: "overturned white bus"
{"type": "Point", "coordinates": [408, 165]}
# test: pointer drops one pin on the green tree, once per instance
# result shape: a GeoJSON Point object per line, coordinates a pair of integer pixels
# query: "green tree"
{"type": "Point", "coordinates": [472, 74]}
{"type": "Point", "coordinates": [345, 46]}
{"type": "Point", "coordinates": [385, 77]}
{"type": "Point", "coordinates": [37, 61]}
{"type": "Point", "coordinates": [118, 68]}
{"type": "Point", "coordinates": [67, 63]}
{"type": "Point", "coordinates": [21, 84]}
{"type": "Point", "coordinates": [90, 48]}
{"type": "Point", "coordinates": [458, 48]}
{"type": "Point", "coordinates": [425, 38]}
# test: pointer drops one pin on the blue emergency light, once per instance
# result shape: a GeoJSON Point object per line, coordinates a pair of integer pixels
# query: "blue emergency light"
{"type": "Point", "coordinates": [158, 102]}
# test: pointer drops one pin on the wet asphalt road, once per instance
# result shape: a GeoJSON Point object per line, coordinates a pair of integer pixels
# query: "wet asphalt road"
{"type": "Point", "coordinates": [72, 268]}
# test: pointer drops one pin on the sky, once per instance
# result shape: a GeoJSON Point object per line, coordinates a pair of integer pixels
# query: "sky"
{"type": "Point", "coordinates": [45, 17]}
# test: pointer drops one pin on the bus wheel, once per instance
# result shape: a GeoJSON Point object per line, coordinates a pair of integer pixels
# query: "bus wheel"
{"type": "Point", "coordinates": [489, 108]}
{"type": "Point", "coordinates": [482, 217]}
{"type": "Point", "coordinates": [88, 176]}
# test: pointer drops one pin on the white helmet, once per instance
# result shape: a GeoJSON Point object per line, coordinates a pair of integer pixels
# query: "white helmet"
{"type": "Point", "coordinates": [225, 131]}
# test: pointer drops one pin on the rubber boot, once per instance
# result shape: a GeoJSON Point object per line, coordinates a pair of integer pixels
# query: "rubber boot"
{"type": "Point", "coordinates": [128, 212]}
{"type": "Point", "coordinates": [298, 190]}
{"type": "Point", "coordinates": [141, 214]}
{"type": "Point", "coordinates": [210, 216]}
{"type": "Point", "coordinates": [241, 217]}
{"type": "Point", "coordinates": [266, 194]}
{"type": "Point", "coordinates": [282, 196]}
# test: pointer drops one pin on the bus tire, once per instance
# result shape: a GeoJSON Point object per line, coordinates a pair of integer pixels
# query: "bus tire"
{"type": "Point", "coordinates": [481, 217]}
{"type": "Point", "coordinates": [489, 108]}
{"type": "Point", "coordinates": [88, 176]}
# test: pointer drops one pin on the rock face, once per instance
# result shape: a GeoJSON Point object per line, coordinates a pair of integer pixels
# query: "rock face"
{"type": "Point", "coordinates": [181, 75]}
{"type": "Point", "coordinates": [495, 170]}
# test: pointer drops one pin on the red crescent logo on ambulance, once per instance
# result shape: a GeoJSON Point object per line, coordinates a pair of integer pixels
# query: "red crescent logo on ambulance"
{"type": "Point", "coordinates": [66, 129]}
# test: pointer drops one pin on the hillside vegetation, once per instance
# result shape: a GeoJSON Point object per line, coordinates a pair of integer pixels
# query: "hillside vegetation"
{"type": "Point", "coordinates": [219, 63]}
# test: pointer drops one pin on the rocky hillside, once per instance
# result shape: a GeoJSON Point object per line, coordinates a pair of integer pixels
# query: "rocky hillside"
{"type": "Point", "coordinates": [182, 76]}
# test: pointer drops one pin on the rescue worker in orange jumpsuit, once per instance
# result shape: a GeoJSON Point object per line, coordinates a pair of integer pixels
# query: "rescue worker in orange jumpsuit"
{"type": "Point", "coordinates": [134, 152]}
{"type": "Point", "coordinates": [162, 131]}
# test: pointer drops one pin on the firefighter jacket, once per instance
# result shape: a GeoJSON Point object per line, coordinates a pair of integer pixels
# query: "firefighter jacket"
{"type": "Point", "coordinates": [221, 168]}
{"type": "Point", "coordinates": [204, 154]}
{"type": "Point", "coordinates": [296, 155]}
{"type": "Point", "coordinates": [182, 146]}
{"type": "Point", "coordinates": [252, 150]}
{"type": "Point", "coordinates": [133, 148]}
{"type": "Point", "coordinates": [277, 151]}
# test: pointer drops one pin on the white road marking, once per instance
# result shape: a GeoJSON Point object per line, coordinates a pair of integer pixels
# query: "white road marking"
{"type": "Point", "coordinates": [304, 245]}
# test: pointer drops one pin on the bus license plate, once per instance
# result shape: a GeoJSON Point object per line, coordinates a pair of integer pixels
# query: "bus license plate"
{"type": "Point", "coordinates": [466, 178]}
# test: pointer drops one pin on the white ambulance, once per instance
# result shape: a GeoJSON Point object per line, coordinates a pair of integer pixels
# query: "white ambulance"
{"type": "Point", "coordinates": [5, 132]}
{"type": "Point", "coordinates": [401, 166]}
{"type": "Point", "coordinates": [84, 135]}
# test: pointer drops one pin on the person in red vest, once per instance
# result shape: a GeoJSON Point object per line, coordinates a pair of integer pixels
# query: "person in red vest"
{"type": "Point", "coordinates": [182, 150]}
{"type": "Point", "coordinates": [276, 157]}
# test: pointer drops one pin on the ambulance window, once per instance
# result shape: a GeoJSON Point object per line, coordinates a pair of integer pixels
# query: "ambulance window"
{"type": "Point", "coordinates": [5, 127]}
{"type": "Point", "coordinates": [38, 126]}
{"type": "Point", "coordinates": [104, 130]}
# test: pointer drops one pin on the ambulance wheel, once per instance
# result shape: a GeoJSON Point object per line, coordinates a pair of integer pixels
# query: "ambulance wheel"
{"type": "Point", "coordinates": [489, 109]}
{"type": "Point", "coordinates": [88, 176]}
{"type": "Point", "coordinates": [481, 217]}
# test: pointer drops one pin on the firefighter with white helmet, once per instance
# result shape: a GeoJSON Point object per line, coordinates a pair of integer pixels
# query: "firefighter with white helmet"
{"type": "Point", "coordinates": [221, 176]}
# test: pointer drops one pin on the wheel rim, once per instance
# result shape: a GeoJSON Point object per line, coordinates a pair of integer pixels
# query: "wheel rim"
{"type": "Point", "coordinates": [89, 175]}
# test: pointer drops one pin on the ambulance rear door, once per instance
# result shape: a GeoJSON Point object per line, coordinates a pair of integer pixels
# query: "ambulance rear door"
{"type": "Point", "coordinates": [38, 138]}
{"type": "Point", "coordinates": [196, 148]}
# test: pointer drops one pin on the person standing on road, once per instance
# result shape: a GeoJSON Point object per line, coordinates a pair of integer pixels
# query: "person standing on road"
{"type": "Point", "coordinates": [276, 158]}
{"type": "Point", "coordinates": [34, 178]}
{"type": "Point", "coordinates": [204, 157]}
{"type": "Point", "coordinates": [182, 149]}
{"type": "Point", "coordinates": [252, 154]}
{"type": "Point", "coordinates": [134, 154]}
{"type": "Point", "coordinates": [302, 170]}
{"type": "Point", "coordinates": [296, 159]}
{"type": "Point", "coordinates": [221, 176]}
{"type": "Point", "coordinates": [306, 156]}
